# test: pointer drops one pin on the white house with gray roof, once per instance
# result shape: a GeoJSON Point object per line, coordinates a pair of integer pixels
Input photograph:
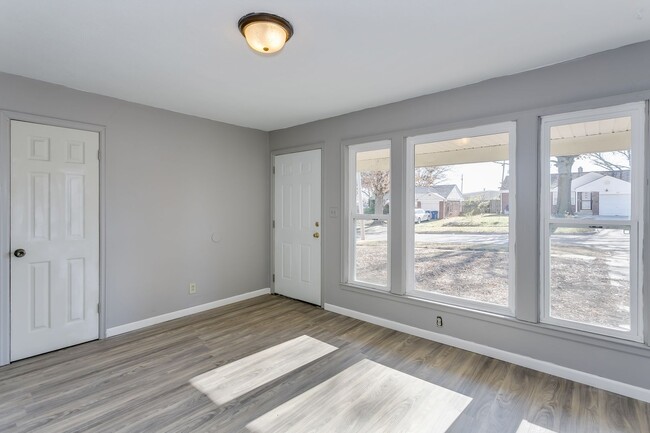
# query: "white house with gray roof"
{"type": "Point", "coordinates": [598, 193]}
{"type": "Point", "coordinates": [445, 199]}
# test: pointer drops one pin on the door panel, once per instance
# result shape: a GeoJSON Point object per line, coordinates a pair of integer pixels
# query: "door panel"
{"type": "Point", "coordinates": [55, 219]}
{"type": "Point", "coordinates": [297, 213]}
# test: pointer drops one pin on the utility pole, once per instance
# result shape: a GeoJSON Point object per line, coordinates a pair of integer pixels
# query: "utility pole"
{"type": "Point", "coordinates": [503, 171]}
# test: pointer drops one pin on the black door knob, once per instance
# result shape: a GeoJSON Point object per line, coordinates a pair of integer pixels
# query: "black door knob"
{"type": "Point", "coordinates": [19, 253]}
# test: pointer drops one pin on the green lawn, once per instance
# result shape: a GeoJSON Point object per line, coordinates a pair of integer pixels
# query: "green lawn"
{"type": "Point", "coordinates": [486, 223]}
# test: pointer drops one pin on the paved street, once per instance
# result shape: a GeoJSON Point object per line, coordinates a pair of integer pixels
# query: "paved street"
{"type": "Point", "coordinates": [605, 240]}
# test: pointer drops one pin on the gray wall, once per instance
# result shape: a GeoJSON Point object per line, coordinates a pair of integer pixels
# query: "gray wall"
{"type": "Point", "coordinates": [171, 182]}
{"type": "Point", "coordinates": [607, 78]}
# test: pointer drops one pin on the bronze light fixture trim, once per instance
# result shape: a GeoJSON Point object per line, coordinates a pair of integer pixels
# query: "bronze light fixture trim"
{"type": "Point", "coordinates": [264, 32]}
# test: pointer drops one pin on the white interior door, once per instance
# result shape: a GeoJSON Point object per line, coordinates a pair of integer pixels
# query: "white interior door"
{"type": "Point", "coordinates": [297, 219]}
{"type": "Point", "coordinates": [54, 238]}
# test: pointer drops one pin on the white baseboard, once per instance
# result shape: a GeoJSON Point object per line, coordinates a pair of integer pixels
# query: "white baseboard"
{"type": "Point", "coordinates": [524, 361]}
{"type": "Point", "coordinates": [128, 327]}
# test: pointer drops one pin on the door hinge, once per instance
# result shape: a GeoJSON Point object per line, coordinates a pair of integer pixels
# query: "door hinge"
{"type": "Point", "coordinates": [273, 223]}
{"type": "Point", "coordinates": [99, 154]}
{"type": "Point", "coordinates": [274, 278]}
{"type": "Point", "coordinates": [97, 308]}
{"type": "Point", "coordinates": [274, 169]}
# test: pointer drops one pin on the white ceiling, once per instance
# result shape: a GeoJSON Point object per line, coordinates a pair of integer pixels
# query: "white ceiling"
{"type": "Point", "coordinates": [346, 55]}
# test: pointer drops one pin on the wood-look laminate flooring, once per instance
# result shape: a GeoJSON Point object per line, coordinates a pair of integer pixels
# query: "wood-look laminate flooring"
{"type": "Point", "coordinates": [366, 398]}
{"type": "Point", "coordinates": [141, 381]}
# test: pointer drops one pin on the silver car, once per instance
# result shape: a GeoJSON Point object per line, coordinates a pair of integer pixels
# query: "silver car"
{"type": "Point", "coordinates": [421, 215]}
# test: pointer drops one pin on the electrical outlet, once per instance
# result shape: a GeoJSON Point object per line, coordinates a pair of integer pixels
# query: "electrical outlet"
{"type": "Point", "coordinates": [192, 288]}
{"type": "Point", "coordinates": [439, 321]}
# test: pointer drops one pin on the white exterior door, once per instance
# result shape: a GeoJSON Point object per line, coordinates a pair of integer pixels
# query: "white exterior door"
{"type": "Point", "coordinates": [54, 238]}
{"type": "Point", "coordinates": [297, 213]}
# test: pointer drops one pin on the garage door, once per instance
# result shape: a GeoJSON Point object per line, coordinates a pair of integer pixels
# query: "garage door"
{"type": "Point", "coordinates": [615, 204]}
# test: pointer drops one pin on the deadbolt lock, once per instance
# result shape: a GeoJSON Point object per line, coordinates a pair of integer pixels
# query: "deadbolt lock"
{"type": "Point", "coordinates": [316, 224]}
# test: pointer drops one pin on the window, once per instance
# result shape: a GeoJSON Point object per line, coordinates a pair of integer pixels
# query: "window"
{"type": "Point", "coordinates": [464, 180]}
{"type": "Point", "coordinates": [592, 204]}
{"type": "Point", "coordinates": [368, 201]}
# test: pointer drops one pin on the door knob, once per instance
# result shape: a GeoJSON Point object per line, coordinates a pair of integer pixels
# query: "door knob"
{"type": "Point", "coordinates": [316, 235]}
{"type": "Point", "coordinates": [19, 253]}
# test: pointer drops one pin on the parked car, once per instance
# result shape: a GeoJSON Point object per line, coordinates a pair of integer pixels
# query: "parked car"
{"type": "Point", "coordinates": [421, 215]}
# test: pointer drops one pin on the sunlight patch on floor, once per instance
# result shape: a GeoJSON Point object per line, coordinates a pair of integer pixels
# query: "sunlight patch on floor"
{"type": "Point", "coordinates": [367, 397]}
{"type": "Point", "coordinates": [526, 427]}
{"type": "Point", "coordinates": [233, 380]}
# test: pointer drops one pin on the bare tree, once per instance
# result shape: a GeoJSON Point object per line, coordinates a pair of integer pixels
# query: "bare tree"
{"type": "Point", "coordinates": [377, 186]}
{"type": "Point", "coordinates": [429, 176]}
{"type": "Point", "coordinates": [604, 160]}
{"type": "Point", "coordinates": [564, 166]}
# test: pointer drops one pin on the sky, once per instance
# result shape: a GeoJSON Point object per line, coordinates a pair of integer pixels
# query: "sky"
{"type": "Point", "coordinates": [482, 176]}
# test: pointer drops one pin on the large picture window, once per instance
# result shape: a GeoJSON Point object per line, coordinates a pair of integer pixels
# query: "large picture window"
{"type": "Point", "coordinates": [460, 217]}
{"type": "Point", "coordinates": [592, 204]}
{"type": "Point", "coordinates": [369, 182]}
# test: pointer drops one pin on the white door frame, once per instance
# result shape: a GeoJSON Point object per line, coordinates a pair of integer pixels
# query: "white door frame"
{"type": "Point", "coordinates": [5, 219]}
{"type": "Point", "coordinates": [323, 227]}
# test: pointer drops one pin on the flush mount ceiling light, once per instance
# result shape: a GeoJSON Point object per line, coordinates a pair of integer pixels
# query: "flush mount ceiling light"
{"type": "Point", "coordinates": [265, 33]}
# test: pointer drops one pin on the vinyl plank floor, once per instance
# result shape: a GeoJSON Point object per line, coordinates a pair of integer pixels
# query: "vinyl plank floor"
{"type": "Point", "coordinates": [240, 377]}
{"type": "Point", "coordinates": [367, 397]}
{"type": "Point", "coordinates": [148, 381]}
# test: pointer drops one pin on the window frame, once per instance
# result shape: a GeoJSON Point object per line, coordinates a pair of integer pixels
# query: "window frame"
{"type": "Point", "coordinates": [351, 216]}
{"type": "Point", "coordinates": [637, 112]}
{"type": "Point", "coordinates": [509, 127]}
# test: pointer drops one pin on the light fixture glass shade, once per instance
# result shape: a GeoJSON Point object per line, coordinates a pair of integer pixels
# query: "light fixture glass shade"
{"type": "Point", "coordinates": [265, 37]}
{"type": "Point", "coordinates": [264, 32]}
